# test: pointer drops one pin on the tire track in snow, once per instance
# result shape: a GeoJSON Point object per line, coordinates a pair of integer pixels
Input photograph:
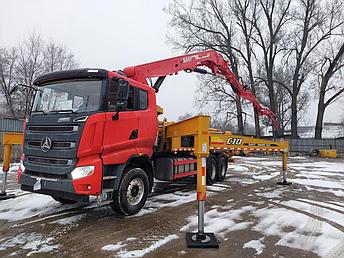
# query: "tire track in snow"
{"type": "Point", "coordinates": [311, 229]}
{"type": "Point", "coordinates": [332, 223]}
{"type": "Point", "coordinates": [337, 251]}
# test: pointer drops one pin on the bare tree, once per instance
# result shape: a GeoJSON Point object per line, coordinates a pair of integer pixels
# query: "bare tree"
{"type": "Point", "coordinates": [314, 21]}
{"type": "Point", "coordinates": [184, 116]}
{"type": "Point", "coordinates": [206, 25]}
{"type": "Point", "coordinates": [22, 64]}
{"type": "Point", "coordinates": [57, 57]}
{"type": "Point", "coordinates": [213, 92]}
{"type": "Point", "coordinates": [30, 64]}
{"type": "Point", "coordinates": [8, 58]}
{"type": "Point", "coordinates": [333, 64]}
{"type": "Point", "coordinates": [245, 11]}
{"type": "Point", "coordinates": [269, 23]}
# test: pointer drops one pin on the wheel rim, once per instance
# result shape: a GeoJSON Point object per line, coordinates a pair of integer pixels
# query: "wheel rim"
{"type": "Point", "coordinates": [135, 191]}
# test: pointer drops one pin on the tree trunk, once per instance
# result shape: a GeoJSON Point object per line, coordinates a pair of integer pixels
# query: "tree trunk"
{"type": "Point", "coordinates": [294, 116]}
{"type": "Point", "coordinates": [319, 122]}
{"type": "Point", "coordinates": [239, 116]}
{"type": "Point", "coordinates": [256, 124]}
{"type": "Point", "coordinates": [253, 89]}
{"type": "Point", "coordinates": [272, 98]}
{"type": "Point", "coordinates": [321, 109]}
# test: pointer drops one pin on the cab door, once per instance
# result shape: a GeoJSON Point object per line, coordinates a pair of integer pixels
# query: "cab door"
{"type": "Point", "coordinates": [121, 124]}
{"type": "Point", "coordinates": [147, 116]}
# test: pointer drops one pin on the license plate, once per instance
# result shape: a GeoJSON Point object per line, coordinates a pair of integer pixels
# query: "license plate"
{"type": "Point", "coordinates": [38, 185]}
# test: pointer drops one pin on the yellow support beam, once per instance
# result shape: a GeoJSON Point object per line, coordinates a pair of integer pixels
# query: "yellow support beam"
{"type": "Point", "coordinates": [8, 139]}
{"type": "Point", "coordinates": [12, 138]}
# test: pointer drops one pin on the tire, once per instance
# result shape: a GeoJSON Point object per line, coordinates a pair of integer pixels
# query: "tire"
{"type": "Point", "coordinates": [221, 168]}
{"type": "Point", "coordinates": [211, 170]}
{"type": "Point", "coordinates": [314, 153]}
{"type": "Point", "coordinates": [132, 192]}
{"type": "Point", "coordinates": [63, 201]}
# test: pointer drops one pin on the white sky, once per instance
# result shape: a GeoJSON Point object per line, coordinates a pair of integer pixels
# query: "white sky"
{"type": "Point", "coordinates": [103, 34]}
{"type": "Point", "coordinates": [111, 35]}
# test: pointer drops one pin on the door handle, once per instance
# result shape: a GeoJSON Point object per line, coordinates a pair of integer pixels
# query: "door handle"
{"type": "Point", "coordinates": [134, 134]}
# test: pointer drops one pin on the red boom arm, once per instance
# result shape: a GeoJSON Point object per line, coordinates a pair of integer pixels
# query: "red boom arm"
{"type": "Point", "coordinates": [190, 62]}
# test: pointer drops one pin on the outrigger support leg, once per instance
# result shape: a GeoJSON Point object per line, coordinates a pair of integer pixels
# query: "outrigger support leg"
{"type": "Point", "coordinates": [5, 169]}
{"type": "Point", "coordinates": [200, 239]}
{"type": "Point", "coordinates": [284, 170]}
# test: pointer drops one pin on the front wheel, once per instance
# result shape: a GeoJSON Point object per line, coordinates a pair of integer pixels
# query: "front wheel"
{"type": "Point", "coordinates": [132, 192]}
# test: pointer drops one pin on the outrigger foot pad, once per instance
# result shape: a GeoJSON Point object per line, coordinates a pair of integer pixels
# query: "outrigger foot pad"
{"type": "Point", "coordinates": [4, 196]}
{"type": "Point", "coordinates": [206, 240]}
{"type": "Point", "coordinates": [284, 182]}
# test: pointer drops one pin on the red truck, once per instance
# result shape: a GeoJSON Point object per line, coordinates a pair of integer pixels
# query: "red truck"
{"type": "Point", "coordinates": [93, 132]}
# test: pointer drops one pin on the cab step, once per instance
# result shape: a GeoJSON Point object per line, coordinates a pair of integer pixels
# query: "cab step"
{"type": "Point", "coordinates": [109, 177]}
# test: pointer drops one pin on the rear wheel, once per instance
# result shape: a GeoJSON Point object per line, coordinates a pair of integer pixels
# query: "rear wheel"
{"type": "Point", "coordinates": [211, 170]}
{"type": "Point", "coordinates": [222, 168]}
{"type": "Point", "coordinates": [132, 192]}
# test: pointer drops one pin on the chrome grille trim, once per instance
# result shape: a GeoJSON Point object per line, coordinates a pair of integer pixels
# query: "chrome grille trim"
{"type": "Point", "coordinates": [53, 129]}
{"type": "Point", "coordinates": [49, 161]}
{"type": "Point", "coordinates": [56, 145]}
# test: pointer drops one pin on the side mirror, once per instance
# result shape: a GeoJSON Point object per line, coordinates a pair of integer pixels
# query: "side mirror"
{"type": "Point", "coordinates": [123, 90]}
{"type": "Point", "coordinates": [121, 105]}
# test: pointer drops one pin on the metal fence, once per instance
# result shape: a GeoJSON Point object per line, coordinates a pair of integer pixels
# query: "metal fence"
{"type": "Point", "coordinates": [306, 145]}
{"type": "Point", "coordinates": [11, 125]}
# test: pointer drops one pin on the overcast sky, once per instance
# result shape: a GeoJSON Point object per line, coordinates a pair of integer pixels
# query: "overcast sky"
{"type": "Point", "coordinates": [112, 35]}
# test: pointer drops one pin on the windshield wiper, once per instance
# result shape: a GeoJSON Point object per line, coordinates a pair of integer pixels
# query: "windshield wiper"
{"type": "Point", "coordinates": [61, 111]}
{"type": "Point", "coordinates": [39, 111]}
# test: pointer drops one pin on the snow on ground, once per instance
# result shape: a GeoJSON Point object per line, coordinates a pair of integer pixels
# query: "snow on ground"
{"type": "Point", "coordinates": [35, 242]}
{"type": "Point", "coordinates": [266, 176]}
{"type": "Point", "coordinates": [220, 222]}
{"type": "Point", "coordinates": [237, 168]}
{"type": "Point", "coordinates": [26, 206]}
{"type": "Point", "coordinates": [123, 253]}
{"type": "Point", "coordinates": [302, 223]}
{"type": "Point", "coordinates": [255, 244]}
{"type": "Point", "coordinates": [333, 205]}
{"type": "Point", "coordinates": [114, 247]}
{"type": "Point", "coordinates": [330, 215]}
{"type": "Point", "coordinates": [308, 233]}
{"type": "Point", "coordinates": [319, 166]}
{"type": "Point", "coordinates": [319, 183]}
{"type": "Point", "coordinates": [69, 220]}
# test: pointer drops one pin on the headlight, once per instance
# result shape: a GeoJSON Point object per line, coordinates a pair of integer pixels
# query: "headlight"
{"type": "Point", "coordinates": [81, 172]}
{"type": "Point", "coordinates": [21, 166]}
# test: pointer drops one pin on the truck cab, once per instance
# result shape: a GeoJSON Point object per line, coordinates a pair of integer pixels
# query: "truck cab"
{"type": "Point", "coordinates": [90, 129]}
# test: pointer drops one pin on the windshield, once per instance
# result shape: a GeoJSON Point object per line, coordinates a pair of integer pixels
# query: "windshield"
{"type": "Point", "coordinates": [74, 96]}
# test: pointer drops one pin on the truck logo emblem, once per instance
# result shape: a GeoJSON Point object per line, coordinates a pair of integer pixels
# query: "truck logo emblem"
{"type": "Point", "coordinates": [46, 144]}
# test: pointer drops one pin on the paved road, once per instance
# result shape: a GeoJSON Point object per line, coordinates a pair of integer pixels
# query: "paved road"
{"type": "Point", "coordinates": [250, 215]}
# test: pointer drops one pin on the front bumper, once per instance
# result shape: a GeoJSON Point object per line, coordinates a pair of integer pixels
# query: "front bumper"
{"type": "Point", "coordinates": [56, 188]}
{"type": "Point", "coordinates": [77, 189]}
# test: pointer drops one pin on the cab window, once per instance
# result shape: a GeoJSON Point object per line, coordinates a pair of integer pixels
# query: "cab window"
{"type": "Point", "coordinates": [143, 99]}
{"type": "Point", "coordinates": [137, 98]}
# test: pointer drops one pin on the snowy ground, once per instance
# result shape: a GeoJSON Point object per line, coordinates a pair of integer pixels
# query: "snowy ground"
{"type": "Point", "coordinates": [249, 214]}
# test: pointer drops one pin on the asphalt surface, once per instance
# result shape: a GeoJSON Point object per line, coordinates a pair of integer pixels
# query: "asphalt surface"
{"type": "Point", "coordinates": [159, 229]}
